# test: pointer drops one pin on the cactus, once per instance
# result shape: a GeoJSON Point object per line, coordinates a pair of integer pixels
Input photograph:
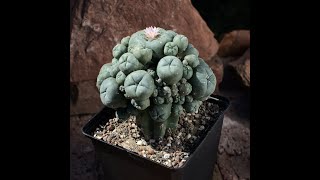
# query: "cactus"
{"type": "Point", "coordinates": [154, 75]}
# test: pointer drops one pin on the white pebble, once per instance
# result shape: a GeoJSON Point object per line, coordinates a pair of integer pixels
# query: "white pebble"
{"type": "Point", "coordinates": [166, 156]}
{"type": "Point", "coordinates": [139, 143]}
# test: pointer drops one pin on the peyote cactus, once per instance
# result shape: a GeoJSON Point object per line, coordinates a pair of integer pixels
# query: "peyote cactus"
{"type": "Point", "coordinates": [154, 75]}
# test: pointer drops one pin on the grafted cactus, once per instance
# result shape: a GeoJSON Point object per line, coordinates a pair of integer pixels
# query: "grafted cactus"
{"type": "Point", "coordinates": [154, 75]}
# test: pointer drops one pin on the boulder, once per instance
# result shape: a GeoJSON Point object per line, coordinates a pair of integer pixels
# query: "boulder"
{"type": "Point", "coordinates": [85, 98]}
{"type": "Point", "coordinates": [234, 150]}
{"type": "Point", "coordinates": [215, 63]}
{"type": "Point", "coordinates": [99, 25]}
{"type": "Point", "coordinates": [234, 43]}
{"type": "Point", "coordinates": [242, 67]}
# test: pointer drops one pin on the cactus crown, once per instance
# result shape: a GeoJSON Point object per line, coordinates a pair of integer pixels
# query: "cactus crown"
{"type": "Point", "coordinates": [151, 32]}
{"type": "Point", "coordinates": [154, 75]}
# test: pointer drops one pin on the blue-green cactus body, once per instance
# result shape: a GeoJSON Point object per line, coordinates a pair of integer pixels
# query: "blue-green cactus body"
{"type": "Point", "coordinates": [128, 63]}
{"type": "Point", "coordinates": [181, 41]}
{"type": "Point", "coordinates": [125, 41]}
{"type": "Point", "coordinates": [170, 49]}
{"type": "Point", "coordinates": [155, 74]}
{"type": "Point", "coordinates": [187, 72]}
{"type": "Point", "coordinates": [185, 89]}
{"type": "Point", "coordinates": [120, 77]}
{"type": "Point", "coordinates": [174, 117]}
{"type": "Point", "coordinates": [118, 50]}
{"type": "Point", "coordinates": [143, 54]}
{"type": "Point", "coordinates": [160, 113]}
{"type": "Point", "coordinates": [140, 104]}
{"type": "Point", "coordinates": [192, 60]}
{"type": "Point", "coordinates": [110, 94]}
{"type": "Point", "coordinates": [170, 69]}
{"type": "Point", "coordinates": [203, 81]}
{"type": "Point", "coordinates": [190, 50]}
{"type": "Point", "coordinates": [156, 45]}
{"type": "Point", "coordinates": [192, 107]}
{"type": "Point", "coordinates": [103, 74]}
{"type": "Point", "coordinates": [146, 124]}
{"type": "Point", "coordinates": [139, 85]}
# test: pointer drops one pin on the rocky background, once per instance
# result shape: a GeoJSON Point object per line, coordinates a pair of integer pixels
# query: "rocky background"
{"type": "Point", "coordinates": [98, 25]}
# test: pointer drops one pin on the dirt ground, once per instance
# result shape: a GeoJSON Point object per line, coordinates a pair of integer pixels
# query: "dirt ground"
{"type": "Point", "coordinates": [234, 150]}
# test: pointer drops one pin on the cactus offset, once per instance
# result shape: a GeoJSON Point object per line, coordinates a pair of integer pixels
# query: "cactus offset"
{"type": "Point", "coordinates": [154, 75]}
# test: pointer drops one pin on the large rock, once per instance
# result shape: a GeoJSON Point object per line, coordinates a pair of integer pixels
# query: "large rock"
{"type": "Point", "coordinates": [216, 64]}
{"type": "Point", "coordinates": [98, 25]}
{"type": "Point", "coordinates": [83, 165]}
{"type": "Point", "coordinates": [85, 98]}
{"type": "Point", "coordinates": [234, 150]}
{"type": "Point", "coordinates": [242, 67]}
{"type": "Point", "coordinates": [234, 43]}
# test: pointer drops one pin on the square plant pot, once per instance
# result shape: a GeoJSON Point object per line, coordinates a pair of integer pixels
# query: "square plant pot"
{"type": "Point", "coordinates": [121, 164]}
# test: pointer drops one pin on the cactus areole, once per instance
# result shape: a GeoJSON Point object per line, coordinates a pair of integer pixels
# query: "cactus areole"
{"type": "Point", "coordinates": [154, 75]}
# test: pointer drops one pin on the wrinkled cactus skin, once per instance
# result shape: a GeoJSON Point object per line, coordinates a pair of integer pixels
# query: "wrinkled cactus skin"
{"type": "Point", "coordinates": [155, 77]}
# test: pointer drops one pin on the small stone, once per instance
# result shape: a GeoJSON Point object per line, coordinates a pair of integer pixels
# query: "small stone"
{"type": "Point", "coordinates": [181, 163]}
{"type": "Point", "coordinates": [188, 136]}
{"type": "Point", "coordinates": [169, 144]}
{"type": "Point", "coordinates": [110, 128]}
{"type": "Point", "coordinates": [194, 137]}
{"type": "Point", "coordinates": [166, 156]}
{"type": "Point", "coordinates": [197, 116]}
{"type": "Point", "coordinates": [208, 118]}
{"type": "Point", "coordinates": [150, 151]}
{"type": "Point", "coordinates": [109, 139]}
{"type": "Point", "coordinates": [122, 136]}
{"type": "Point", "coordinates": [133, 130]}
{"type": "Point", "coordinates": [168, 163]}
{"type": "Point", "coordinates": [177, 158]}
{"type": "Point", "coordinates": [152, 141]}
{"type": "Point", "coordinates": [139, 143]}
{"type": "Point", "coordinates": [144, 142]}
{"type": "Point", "coordinates": [178, 141]}
{"type": "Point", "coordinates": [170, 138]}
{"type": "Point", "coordinates": [201, 128]}
{"type": "Point", "coordinates": [98, 135]}
{"type": "Point", "coordinates": [174, 163]}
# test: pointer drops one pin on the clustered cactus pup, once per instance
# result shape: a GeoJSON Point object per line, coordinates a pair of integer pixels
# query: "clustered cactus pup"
{"type": "Point", "coordinates": [154, 75]}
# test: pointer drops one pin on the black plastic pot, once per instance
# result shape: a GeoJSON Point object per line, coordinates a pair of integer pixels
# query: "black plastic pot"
{"type": "Point", "coordinates": [121, 164]}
